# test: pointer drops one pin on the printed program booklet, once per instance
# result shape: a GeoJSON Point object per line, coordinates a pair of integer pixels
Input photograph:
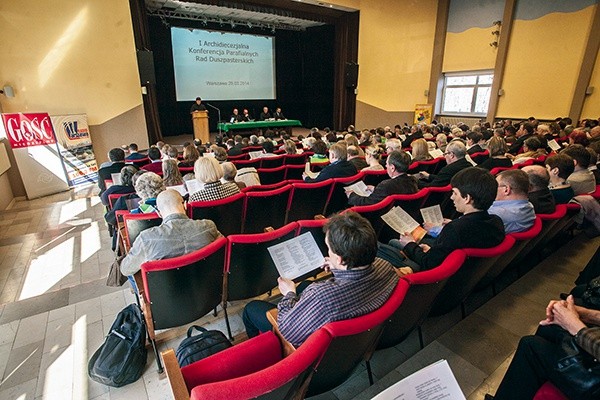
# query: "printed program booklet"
{"type": "Point", "coordinates": [297, 256]}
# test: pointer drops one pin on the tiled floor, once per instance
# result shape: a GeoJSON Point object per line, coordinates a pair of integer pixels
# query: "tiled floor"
{"type": "Point", "coordinates": [55, 310]}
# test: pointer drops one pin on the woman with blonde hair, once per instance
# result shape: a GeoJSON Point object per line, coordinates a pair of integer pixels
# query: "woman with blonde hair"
{"type": "Point", "coordinates": [373, 158]}
{"type": "Point", "coordinates": [171, 174]}
{"type": "Point", "coordinates": [420, 150]}
{"type": "Point", "coordinates": [209, 172]}
{"type": "Point", "coordinates": [289, 146]}
{"type": "Point", "coordinates": [497, 148]}
{"type": "Point", "coordinates": [219, 152]}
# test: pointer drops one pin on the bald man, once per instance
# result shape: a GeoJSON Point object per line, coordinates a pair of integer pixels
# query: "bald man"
{"type": "Point", "coordinates": [176, 236]}
{"type": "Point", "coordinates": [539, 193]}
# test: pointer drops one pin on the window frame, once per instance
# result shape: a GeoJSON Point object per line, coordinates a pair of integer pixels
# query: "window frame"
{"type": "Point", "coordinates": [475, 87]}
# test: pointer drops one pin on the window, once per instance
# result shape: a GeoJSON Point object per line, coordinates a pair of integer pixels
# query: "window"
{"type": "Point", "coordinates": [467, 93]}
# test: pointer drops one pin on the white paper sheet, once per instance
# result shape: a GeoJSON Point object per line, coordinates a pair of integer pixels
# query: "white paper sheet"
{"type": "Point", "coordinates": [297, 256]}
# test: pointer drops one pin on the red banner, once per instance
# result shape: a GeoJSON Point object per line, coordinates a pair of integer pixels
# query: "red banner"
{"type": "Point", "coordinates": [26, 130]}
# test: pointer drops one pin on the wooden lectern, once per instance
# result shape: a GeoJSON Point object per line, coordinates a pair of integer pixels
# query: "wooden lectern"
{"type": "Point", "coordinates": [200, 121]}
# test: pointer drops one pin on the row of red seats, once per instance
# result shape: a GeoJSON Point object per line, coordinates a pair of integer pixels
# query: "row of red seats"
{"type": "Point", "coordinates": [329, 356]}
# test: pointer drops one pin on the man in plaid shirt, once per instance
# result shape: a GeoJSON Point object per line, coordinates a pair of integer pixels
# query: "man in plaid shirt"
{"type": "Point", "coordinates": [361, 283]}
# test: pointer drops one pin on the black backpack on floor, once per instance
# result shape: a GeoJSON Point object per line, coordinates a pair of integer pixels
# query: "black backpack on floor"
{"type": "Point", "coordinates": [122, 357]}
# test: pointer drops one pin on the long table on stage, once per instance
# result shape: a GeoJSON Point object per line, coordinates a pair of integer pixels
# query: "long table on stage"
{"type": "Point", "coordinates": [248, 126]}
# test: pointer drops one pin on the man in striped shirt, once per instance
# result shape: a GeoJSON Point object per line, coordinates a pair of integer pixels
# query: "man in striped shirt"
{"type": "Point", "coordinates": [361, 283]}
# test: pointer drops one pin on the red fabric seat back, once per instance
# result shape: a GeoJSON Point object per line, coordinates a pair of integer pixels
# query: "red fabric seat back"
{"type": "Point", "coordinates": [226, 213]}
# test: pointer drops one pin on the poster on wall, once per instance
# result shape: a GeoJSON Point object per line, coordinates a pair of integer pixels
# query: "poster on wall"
{"type": "Point", "coordinates": [36, 153]}
{"type": "Point", "coordinates": [423, 113]}
{"type": "Point", "coordinates": [75, 144]}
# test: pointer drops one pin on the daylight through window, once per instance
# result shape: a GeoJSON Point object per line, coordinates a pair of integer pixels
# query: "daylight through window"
{"type": "Point", "coordinates": [467, 93]}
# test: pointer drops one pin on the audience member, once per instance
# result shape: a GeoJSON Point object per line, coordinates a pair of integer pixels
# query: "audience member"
{"type": "Point", "coordinates": [532, 149]}
{"type": "Point", "coordinates": [209, 173]}
{"type": "Point", "coordinates": [537, 357]}
{"type": "Point", "coordinates": [133, 153]}
{"type": "Point", "coordinates": [190, 155]}
{"type": "Point", "coordinates": [455, 159]}
{"type": "Point", "coordinates": [497, 149]}
{"type": "Point", "coordinates": [373, 159]}
{"type": "Point", "coordinates": [175, 236]}
{"type": "Point", "coordinates": [581, 180]}
{"type": "Point", "coordinates": [560, 167]}
{"type": "Point", "coordinates": [473, 139]}
{"type": "Point", "coordinates": [361, 283]}
{"type": "Point", "coordinates": [420, 150]}
{"type": "Point", "coordinates": [473, 192]}
{"type": "Point", "coordinates": [155, 164]}
{"type": "Point", "coordinates": [340, 167]}
{"type": "Point", "coordinates": [539, 193]}
{"type": "Point", "coordinates": [125, 187]}
{"type": "Point", "coordinates": [355, 158]}
{"type": "Point", "coordinates": [396, 165]}
{"type": "Point", "coordinates": [117, 162]}
{"type": "Point", "coordinates": [441, 140]}
{"type": "Point", "coordinates": [147, 186]}
{"type": "Point", "coordinates": [525, 131]}
{"type": "Point", "coordinates": [229, 173]}
{"type": "Point", "coordinates": [171, 174]}
{"type": "Point", "coordinates": [512, 203]}
{"type": "Point", "coordinates": [289, 146]}
{"type": "Point", "coordinates": [220, 154]}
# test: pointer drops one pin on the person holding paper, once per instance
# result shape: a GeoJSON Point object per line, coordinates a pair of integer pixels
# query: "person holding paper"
{"type": "Point", "coordinates": [512, 204]}
{"type": "Point", "coordinates": [455, 161]}
{"type": "Point", "coordinates": [473, 192]}
{"type": "Point", "coordinates": [361, 283]}
{"type": "Point", "coordinates": [235, 117]}
{"type": "Point", "coordinates": [396, 165]}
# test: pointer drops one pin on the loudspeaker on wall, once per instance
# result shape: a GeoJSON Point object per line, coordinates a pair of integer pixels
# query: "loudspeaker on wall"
{"type": "Point", "coordinates": [351, 76]}
{"type": "Point", "coordinates": [146, 67]}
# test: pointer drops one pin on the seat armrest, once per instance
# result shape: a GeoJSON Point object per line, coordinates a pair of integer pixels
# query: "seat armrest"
{"type": "Point", "coordinates": [286, 347]}
{"type": "Point", "coordinates": [176, 381]}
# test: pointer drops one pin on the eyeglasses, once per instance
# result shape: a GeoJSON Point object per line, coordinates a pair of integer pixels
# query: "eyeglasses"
{"type": "Point", "coordinates": [447, 153]}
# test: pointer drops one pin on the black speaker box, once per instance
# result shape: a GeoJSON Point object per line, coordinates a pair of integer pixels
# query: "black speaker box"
{"type": "Point", "coordinates": [351, 76]}
{"type": "Point", "coordinates": [146, 67]}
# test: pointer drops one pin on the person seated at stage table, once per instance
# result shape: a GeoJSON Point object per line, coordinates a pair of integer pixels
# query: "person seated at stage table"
{"type": "Point", "coordinates": [278, 115]}
{"type": "Point", "coordinates": [155, 157]}
{"type": "Point", "coordinates": [133, 153]}
{"type": "Point", "coordinates": [339, 166]}
{"type": "Point", "coordinates": [125, 187]}
{"type": "Point", "coordinates": [355, 158]}
{"type": "Point", "coordinates": [175, 236]}
{"type": "Point", "coordinates": [396, 165]}
{"type": "Point", "coordinates": [560, 167]}
{"type": "Point", "coordinates": [117, 162]}
{"type": "Point", "coordinates": [208, 172]}
{"type": "Point", "coordinates": [473, 192]}
{"type": "Point", "coordinates": [455, 161]}
{"type": "Point", "coordinates": [512, 203]}
{"type": "Point", "coordinates": [265, 115]}
{"type": "Point", "coordinates": [497, 149]}
{"type": "Point", "coordinates": [581, 179]}
{"type": "Point", "coordinates": [361, 284]}
{"type": "Point", "coordinates": [373, 159]}
{"type": "Point", "coordinates": [197, 106]}
{"type": "Point", "coordinates": [235, 117]}
{"type": "Point", "coordinates": [190, 155]}
{"type": "Point", "coordinates": [539, 194]}
{"type": "Point", "coordinates": [246, 116]}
